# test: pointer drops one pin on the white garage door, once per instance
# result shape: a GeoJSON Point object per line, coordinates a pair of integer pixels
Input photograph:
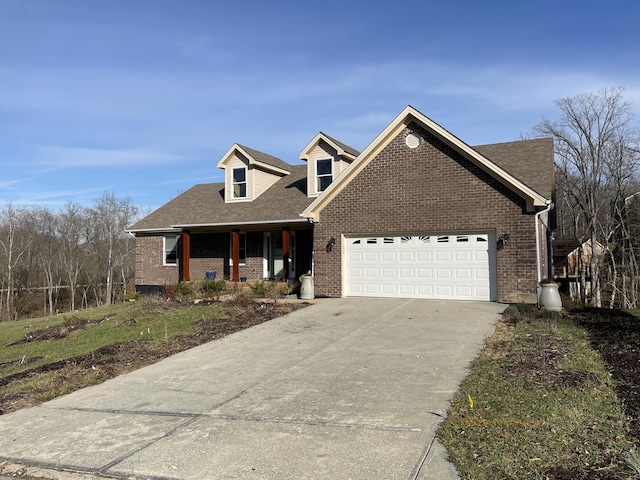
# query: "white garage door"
{"type": "Point", "coordinates": [420, 266]}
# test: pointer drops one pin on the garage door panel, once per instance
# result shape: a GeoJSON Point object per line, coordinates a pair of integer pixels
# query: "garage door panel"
{"type": "Point", "coordinates": [420, 266]}
{"type": "Point", "coordinates": [389, 289]}
{"type": "Point", "coordinates": [443, 256]}
{"type": "Point", "coordinates": [464, 291]}
{"type": "Point", "coordinates": [371, 256]}
{"type": "Point", "coordinates": [406, 274]}
{"type": "Point", "coordinates": [462, 256]}
{"type": "Point", "coordinates": [354, 257]}
{"type": "Point", "coordinates": [444, 273]}
{"type": "Point", "coordinates": [386, 257]}
{"type": "Point", "coordinates": [425, 291]}
{"type": "Point", "coordinates": [371, 273]}
{"type": "Point", "coordinates": [406, 257]}
{"type": "Point", "coordinates": [424, 257]}
{"type": "Point", "coordinates": [463, 274]}
{"type": "Point", "coordinates": [424, 274]}
{"type": "Point", "coordinates": [407, 290]}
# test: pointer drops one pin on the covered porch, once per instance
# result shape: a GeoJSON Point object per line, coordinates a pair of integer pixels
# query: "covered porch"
{"type": "Point", "coordinates": [245, 252]}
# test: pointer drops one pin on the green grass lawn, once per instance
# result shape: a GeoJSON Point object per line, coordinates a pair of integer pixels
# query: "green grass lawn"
{"type": "Point", "coordinates": [29, 344]}
{"type": "Point", "coordinates": [538, 401]}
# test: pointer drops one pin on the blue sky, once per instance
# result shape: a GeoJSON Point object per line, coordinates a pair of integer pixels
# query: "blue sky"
{"type": "Point", "coordinates": [141, 98]}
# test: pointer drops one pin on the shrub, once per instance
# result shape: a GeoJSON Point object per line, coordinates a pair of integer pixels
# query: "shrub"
{"type": "Point", "coordinates": [276, 290]}
{"type": "Point", "coordinates": [215, 287]}
{"type": "Point", "coordinates": [132, 295]}
{"type": "Point", "coordinates": [184, 288]}
{"type": "Point", "coordinates": [259, 288]}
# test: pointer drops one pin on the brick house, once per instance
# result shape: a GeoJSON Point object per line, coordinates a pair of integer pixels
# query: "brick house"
{"type": "Point", "coordinates": [418, 213]}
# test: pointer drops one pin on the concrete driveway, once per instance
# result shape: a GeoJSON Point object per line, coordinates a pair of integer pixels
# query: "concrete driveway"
{"type": "Point", "coordinates": [344, 389]}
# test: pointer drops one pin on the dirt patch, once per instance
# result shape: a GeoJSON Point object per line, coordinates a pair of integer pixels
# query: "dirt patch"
{"type": "Point", "coordinates": [539, 359]}
{"type": "Point", "coordinates": [616, 336]}
{"type": "Point", "coordinates": [55, 332]}
{"type": "Point", "coordinates": [563, 474]}
{"type": "Point", "coordinates": [113, 360]}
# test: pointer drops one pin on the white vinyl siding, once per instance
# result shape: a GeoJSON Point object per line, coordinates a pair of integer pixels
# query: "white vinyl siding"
{"type": "Point", "coordinates": [258, 181]}
{"type": "Point", "coordinates": [261, 181]}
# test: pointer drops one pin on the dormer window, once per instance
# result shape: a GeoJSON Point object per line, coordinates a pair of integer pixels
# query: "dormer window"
{"type": "Point", "coordinates": [240, 182]}
{"type": "Point", "coordinates": [324, 173]}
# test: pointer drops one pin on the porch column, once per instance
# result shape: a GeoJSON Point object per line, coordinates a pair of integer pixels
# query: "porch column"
{"type": "Point", "coordinates": [235, 255]}
{"type": "Point", "coordinates": [186, 255]}
{"type": "Point", "coordinates": [285, 254]}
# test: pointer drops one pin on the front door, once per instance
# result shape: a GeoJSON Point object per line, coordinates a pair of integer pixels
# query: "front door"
{"type": "Point", "coordinates": [273, 260]}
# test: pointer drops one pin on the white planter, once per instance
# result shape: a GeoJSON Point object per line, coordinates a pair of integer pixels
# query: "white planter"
{"type": "Point", "coordinates": [306, 288]}
{"type": "Point", "coordinates": [550, 297]}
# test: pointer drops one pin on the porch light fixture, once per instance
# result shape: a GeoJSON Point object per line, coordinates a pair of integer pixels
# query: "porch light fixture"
{"type": "Point", "coordinates": [329, 246]}
{"type": "Point", "coordinates": [503, 240]}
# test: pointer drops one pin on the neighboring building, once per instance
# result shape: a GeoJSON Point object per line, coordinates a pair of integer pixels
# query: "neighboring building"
{"type": "Point", "coordinates": [566, 263]}
{"type": "Point", "coordinates": [418, 213]}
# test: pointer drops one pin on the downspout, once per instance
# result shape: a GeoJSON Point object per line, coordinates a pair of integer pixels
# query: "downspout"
{"type": "Point", "coordinates": [537, 219]}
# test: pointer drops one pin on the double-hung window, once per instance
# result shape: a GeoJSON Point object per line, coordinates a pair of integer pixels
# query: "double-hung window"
{"type": "Point", "coordinates": [239, 182]}
{"type": "Point", "coordinates": [170, 247]}
{"type": "Point", "coordinates": [324, 173]}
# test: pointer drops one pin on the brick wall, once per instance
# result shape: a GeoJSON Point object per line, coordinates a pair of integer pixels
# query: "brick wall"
{"type": "Point", "coordinates": [428, 189]}
{"type": "Point", "coordinates": [149, 259]}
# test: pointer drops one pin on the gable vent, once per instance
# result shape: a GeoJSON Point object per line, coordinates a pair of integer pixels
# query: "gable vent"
{"type": "Point", "coordinates": [412, 140]}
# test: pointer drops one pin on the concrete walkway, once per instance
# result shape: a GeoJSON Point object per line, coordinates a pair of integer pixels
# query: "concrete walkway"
{"type": "Point", "coordinates": [343, 389]}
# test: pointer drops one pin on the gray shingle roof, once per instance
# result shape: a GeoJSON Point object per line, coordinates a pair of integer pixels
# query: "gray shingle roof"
{"type": "Point", "coordinates": [262, 157]}
{"type": "Point", "coordinates": [530, 161]}
{"type": "Point", "coordinates": [350, 150]}
{"type": "Point", "coordinates": [204, 205]}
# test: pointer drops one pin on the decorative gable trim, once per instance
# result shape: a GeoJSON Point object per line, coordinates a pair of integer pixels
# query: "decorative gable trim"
{"type": "Point", "coordinates": [256, 158]}
{"type": "Point", "coordinates": [408, 115]}
{"type": "Point", "coordinates": [343, 150]}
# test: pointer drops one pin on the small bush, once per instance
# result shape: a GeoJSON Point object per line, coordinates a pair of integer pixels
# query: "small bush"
{"type": "Point", "coordinates": [132, 295]}
{"type": "Point", "coordinates": [215, 287]}
{"type": "Point", "coordinates": [259, 288]}
{"type": "Point", "coordinates": [277, 290]}
{"type": "Point", "coordinates": [242, 298]}
{"type": "Point", "coordinates": [184, 288]}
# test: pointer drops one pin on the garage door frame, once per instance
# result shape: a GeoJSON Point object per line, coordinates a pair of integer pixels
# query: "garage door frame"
{"type": "Point", "coordinates": [491, 251]}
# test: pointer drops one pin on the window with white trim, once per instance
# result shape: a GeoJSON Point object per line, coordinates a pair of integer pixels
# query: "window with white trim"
{"type": "Point", "coordinates": [170, 249]}
{"type": "Point", "coordinates": [324, 173]}
{"type": "Point", "coordinates": [242, 254]}
{"type": "Point", "coordinates": [239, 180]}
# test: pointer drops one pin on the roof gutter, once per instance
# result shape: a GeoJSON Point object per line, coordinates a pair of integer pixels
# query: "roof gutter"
{"type": "Point", "coordinates": [153, 230]}
{"type": "Point", "coordinates": [537, 219]}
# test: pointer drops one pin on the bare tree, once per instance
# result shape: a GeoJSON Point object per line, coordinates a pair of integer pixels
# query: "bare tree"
{"type": "Point", "coordinates": [594, 142]}
{"type": "Point", "coordinates": [71, 251]}
{"type": "Point", "coordinates": [44, 228]}
{"type": "Point", "coordinates": [13, 246]}
{"type": "Point", "coordinates": [110, 218]}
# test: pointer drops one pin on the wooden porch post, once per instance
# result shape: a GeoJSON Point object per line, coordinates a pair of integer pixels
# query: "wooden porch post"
{"type": "Point", "coordinates": [186, 255]}
{"type": "Point", "coordinates": [235, 255]}
{"type": "Point", "coordinates": [285, 254]}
